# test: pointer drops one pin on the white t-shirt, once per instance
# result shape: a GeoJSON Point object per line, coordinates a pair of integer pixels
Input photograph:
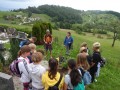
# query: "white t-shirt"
{"type": "Point", "coordinates": [36, 72]}
{"type": "Point", "coordinates": [25, 75]}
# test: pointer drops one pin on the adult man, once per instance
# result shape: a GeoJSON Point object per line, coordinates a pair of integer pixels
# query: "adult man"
{"type": "Point", "coordinates": [48, 42]}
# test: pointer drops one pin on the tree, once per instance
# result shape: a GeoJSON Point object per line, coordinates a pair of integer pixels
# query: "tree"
{"type": "Point", "coordinates": [29, 14]}
{"type": "Point", "coordinates": [115, 29]}
{"type": "Point", "coordinates": [39, 30]}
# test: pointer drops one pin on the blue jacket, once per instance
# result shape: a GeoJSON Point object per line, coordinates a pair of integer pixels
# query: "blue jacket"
{"type": "Point", "coordinates": [68, 41]}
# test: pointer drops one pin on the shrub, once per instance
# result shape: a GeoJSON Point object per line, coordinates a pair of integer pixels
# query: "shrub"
{"type": "Point", "coordinates": [99, 36]}
{"type": "Point", "coordinates": [14, 48]}
{"type": "Point", "coordinates": [102, 32]}
{"type": "Point", "coordinates": [39, 30]}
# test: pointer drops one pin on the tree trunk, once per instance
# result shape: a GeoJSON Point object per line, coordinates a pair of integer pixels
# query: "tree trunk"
{"type": "Point", "coordinates": [114, 38]}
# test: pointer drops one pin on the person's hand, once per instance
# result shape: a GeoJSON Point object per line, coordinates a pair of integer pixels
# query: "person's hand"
{"type": "Point", "coordinates": [45, 42]}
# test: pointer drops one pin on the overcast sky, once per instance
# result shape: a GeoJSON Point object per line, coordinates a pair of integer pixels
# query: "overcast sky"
{"type": "Point", "coordinates": [76, 4]}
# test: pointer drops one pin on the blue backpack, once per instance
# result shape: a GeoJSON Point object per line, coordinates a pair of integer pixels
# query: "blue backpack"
{"type": "Point", "coordinates": [86, 77]}
{"type": "Point", "coordinates": [22, 43]}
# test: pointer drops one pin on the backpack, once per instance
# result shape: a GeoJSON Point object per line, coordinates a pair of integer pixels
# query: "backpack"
{"type": "Point", "coordinates": [15, 69]}
{"type": "Point", "coordinates": [80, 86]}
{"type": "Point", "coordinates": [86, 76]}
{"type": "Point", "coordinates": [55, 87]}
{"type": "Point", "coordinates": [22, 43]}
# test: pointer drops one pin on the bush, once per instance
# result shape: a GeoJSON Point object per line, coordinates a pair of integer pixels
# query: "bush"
{"type": "Point", "coordinates": [102, 32]}
{"type": "Point", "coordinates": [14, 48]}
{"type": "Point", "coordinates": [99, 36]}
{"type": "Point", "coordinates": [39, 30]}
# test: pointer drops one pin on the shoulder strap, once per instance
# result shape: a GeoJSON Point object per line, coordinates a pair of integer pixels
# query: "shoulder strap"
{"type": "Point", "coordinates": [82, 71]}
{"type": "Point", "coordinates": [25, 64]}
{"type": "Point", "coordinates": [57, 84]}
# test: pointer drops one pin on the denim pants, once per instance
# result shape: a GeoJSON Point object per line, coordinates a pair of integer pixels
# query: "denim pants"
{"type": "Point", "coordinates": [67, 49]}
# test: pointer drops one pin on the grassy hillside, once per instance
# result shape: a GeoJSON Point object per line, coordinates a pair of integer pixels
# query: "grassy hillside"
{"type": "Point", "coordinates": [16, 21]}
{"type": "Point", "coordinates": [109, 76]}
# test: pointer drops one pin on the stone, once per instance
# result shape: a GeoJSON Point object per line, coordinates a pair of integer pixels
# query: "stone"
{"type": "Point", "coordinates": [2, 46]}
{"type": "Point", "coordinates": [22, 35]}
{"type": "Point", "coordinates": [6, 82]}
{"type": "Point", "coordinates": [11, 32]}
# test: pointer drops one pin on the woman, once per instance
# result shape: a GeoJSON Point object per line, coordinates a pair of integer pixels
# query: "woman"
{"type": "Point", "coordinates": [36, 71]}
{"type": "Point", "coordinates": [23, 65]}
{"type": "Point", "coordinates": [73, 80]}
{"type": "Point", "coordinates": [68, 42]}
{"type": "Point", "coordinates": [52, 76]}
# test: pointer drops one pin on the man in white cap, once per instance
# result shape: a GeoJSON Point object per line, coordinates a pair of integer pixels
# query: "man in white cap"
{"type": "Point", "coordinates": [48, 39]}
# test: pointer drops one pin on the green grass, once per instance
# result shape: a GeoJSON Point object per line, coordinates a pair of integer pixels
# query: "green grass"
{"type": "Point", "coordinates": [109, 75]}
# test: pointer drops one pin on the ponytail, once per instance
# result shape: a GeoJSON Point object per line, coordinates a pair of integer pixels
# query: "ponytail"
{"type": "Point", "coordinates": [19, 53]}
{"type": "Point", "coordinates": [23, 49]}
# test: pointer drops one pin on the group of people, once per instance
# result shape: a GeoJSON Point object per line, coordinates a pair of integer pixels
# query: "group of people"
{"type": "Point", "coordinates": [81, 72]}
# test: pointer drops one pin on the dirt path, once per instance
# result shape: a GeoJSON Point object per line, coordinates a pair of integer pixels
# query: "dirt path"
{"type": "Point", "coordinates": [17, 84]}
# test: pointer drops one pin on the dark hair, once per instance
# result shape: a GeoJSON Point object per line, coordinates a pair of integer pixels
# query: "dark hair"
{"type": "Point", "coordinates": [69, 33]}
{"type": "Point", "coordinates": [23, 49]}
{"type": "Point", "coordinates": [53, 64]}
{"type": "Point", "coordinates": [74, 74]}
{"type": "Point", "coordinates": [71, 64]}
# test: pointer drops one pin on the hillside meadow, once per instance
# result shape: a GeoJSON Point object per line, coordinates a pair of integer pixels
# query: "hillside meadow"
{"type": "Point", "coordinates": [109, 76]}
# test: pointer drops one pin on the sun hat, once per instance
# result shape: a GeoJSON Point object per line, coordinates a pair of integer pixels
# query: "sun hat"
{"type": "Point", "coordinates": [96, 44]}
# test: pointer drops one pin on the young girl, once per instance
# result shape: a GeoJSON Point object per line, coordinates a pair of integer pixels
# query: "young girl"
{"type": "Point", "coordinates": [36, 71]}
{"type": "Point", "coordinates": [73, 80]}
{"type": "Point", "coordinates": [83, 65]}
{"type": "Point", "coordinates": [23, 66]}
{"type": "Point", "coordinates": [52, 76]}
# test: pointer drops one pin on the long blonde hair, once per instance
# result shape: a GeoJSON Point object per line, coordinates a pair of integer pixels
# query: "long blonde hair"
{"type": "Point", "coordinates": [82, 61]}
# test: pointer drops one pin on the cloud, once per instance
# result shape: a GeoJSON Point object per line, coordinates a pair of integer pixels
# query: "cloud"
{"type": "Point", "coordinates": [17, 0]}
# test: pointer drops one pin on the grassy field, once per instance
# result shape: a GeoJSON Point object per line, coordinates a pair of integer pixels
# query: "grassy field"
{"type": "Point", "coordinates": [109, 76]}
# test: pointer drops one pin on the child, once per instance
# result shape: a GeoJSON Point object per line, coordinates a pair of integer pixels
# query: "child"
{"type": "Point", "coordinates": [73, 80]}
{"type": "Point", "coordinates": [83, 65]}
{"type": "Point", "coordinates": [36, 71]}
{"type": "Point", "coordinates": [52, 76]}
{"type": "Point", "coordinates": [33, 50]}
{"type": "Point", "coordinates": [96, 60]}
{"type": "Point", "coordinates": [23, 66]}
{"type": "Point", "coordinates": [84, 50]}
{"type": "Point", "coordinates": [84, 44]}
{"type": "Point", "coordinates": [43, 62]}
